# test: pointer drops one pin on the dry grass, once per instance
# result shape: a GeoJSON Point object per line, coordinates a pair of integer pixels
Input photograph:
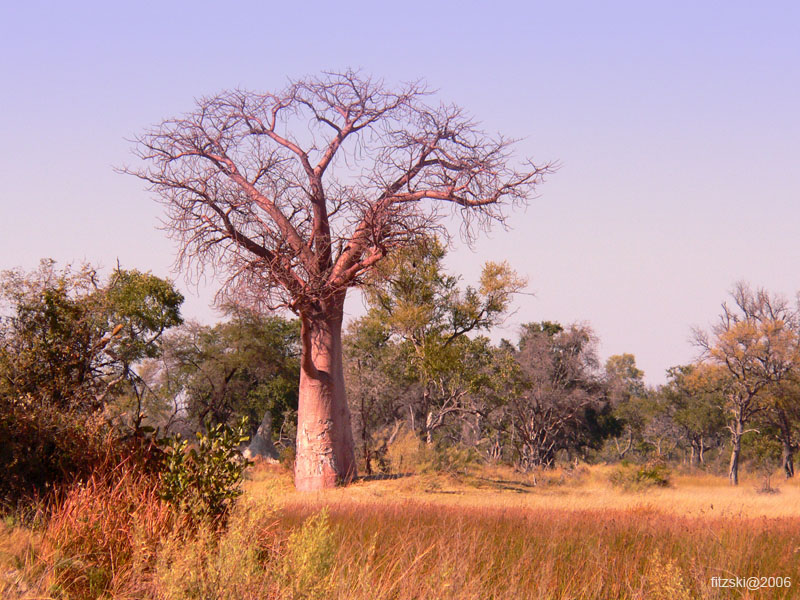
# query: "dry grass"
{"type": "Point", "coordinates": [416, 550]}
{"type": "Point", "coordinates": [697, 495]}
{"type": "Point", "coordinates": [487, 534]}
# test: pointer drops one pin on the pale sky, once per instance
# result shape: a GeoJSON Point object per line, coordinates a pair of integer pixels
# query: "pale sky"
{"type": "Point", "coordinates": [676, 125]}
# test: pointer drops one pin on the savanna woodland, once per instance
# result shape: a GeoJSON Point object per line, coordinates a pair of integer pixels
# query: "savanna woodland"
{"type": "Point", "coordinates": [145, 456]}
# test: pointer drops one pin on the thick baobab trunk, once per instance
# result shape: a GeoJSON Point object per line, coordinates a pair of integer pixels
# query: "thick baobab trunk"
{"type": "Point", "coordinates": [325, 452]}
{"type": "Point", "coordinates": [736, 449]}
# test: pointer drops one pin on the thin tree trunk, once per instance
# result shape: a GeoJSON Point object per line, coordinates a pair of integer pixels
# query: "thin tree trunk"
{"type": "Point", "coordinates": [365, 439]}
{"type": "Point", "coordinates": [702, 451]}
{"type": "Point", "coordinates": [325, 450]}
{"type": "Point", "coordinates": [622, 453]}
{"type": "Point", "coordinates": [736, 439]}
{"type": "Point", "coordinates": [787, 459]}
{"type": "Point", "coordinates": [429, 428]}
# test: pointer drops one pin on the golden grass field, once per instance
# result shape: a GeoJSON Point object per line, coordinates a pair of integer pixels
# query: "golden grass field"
{"type": "Point", "coordinates": [489, 534]}
{"type": "Point", "coordinates": [698, 495]}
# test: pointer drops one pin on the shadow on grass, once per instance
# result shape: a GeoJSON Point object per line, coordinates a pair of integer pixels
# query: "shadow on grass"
{"type": "Point", "coordinates": [488, 483]}
{"type": "Point", "coordinates": [508, 485]}
{"type": "Point", "coordinates": [383, 476]}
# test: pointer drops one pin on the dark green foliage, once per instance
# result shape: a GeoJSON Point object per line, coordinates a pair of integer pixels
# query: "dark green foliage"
{"type": "Point", "coordinates": [243, 367]}
{"type": "Point", "coordinates": [68, 348]}
{"type": "Point", "coordinates": [204, 479]}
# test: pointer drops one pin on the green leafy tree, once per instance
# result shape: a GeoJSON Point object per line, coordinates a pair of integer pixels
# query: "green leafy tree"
{"type": "Point", "coordinates": [72, 341]}
{"type": "Point", "coordinates": [70, 347]}
{"type": "Point", "coordinates": [425, 311]}
{"type": "Point", "coordinates": [626, 391]}
{"type": "Point", "coordinates": [783, 413]}
{"type": "Point", "coordinates": [247, 366]}
{"type": "Point", "coordinates": [699, 409]}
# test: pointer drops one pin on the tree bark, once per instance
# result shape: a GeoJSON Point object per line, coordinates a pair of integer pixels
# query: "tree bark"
{"type": "Point", "coordinates": [736, 439]}
{"type": "Point", "coordinates": [429, 428]}
{"type": "Point", "coordinates": [787, 458]}
{"type": "Point", "coordinates": [702, 451]}
{"type": "Point", "coordinates": [325, 451]}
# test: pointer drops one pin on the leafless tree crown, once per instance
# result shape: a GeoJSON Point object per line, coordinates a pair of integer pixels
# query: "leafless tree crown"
{"type": "Point", "coordinates": [295, 195]}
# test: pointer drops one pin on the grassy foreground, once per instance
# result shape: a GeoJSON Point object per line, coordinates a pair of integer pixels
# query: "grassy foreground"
{"type": "Point", "coordinates": [492, 534]}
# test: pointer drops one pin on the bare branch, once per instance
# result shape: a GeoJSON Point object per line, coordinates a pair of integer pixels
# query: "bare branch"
{"type": "Point", "coordinates": [296, 195]}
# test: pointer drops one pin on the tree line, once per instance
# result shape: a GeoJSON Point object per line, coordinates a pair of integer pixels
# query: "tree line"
{"type": "Point", "coordinates": [82, 357]}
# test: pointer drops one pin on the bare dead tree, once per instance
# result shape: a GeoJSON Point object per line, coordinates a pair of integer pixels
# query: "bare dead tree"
{"type": "Point", "coordinates": [294, 196]}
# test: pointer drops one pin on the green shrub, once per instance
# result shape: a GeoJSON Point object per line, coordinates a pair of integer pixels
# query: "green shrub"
{"type": "Point", "coordinates": [205, 479]}
{"type": "Point", "coordinates": [650, 474]}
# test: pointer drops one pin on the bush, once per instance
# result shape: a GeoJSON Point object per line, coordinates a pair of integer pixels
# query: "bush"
{"type": "Point", "coordinates": [650, 474]}
{"type": "Point", "coordinates": [408, 454]}
{"type": "Point", "coordinates": [45, 449]}
{"type": "Point", "coordinates": [310, 557]}
{"type": "Point", "coordinates": [402, 455]}
{"type": "Point", "coordinates": [451, 460]}
{"type": "Point", "coordinates": [205, 480]}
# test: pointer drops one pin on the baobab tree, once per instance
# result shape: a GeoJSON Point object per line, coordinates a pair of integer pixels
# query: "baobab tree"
{"type": "Point", "coordinates": [295, 196]}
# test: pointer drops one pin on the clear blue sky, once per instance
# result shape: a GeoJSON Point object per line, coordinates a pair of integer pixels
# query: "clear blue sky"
{"type": "Point", "coordinates": [676, 125]}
